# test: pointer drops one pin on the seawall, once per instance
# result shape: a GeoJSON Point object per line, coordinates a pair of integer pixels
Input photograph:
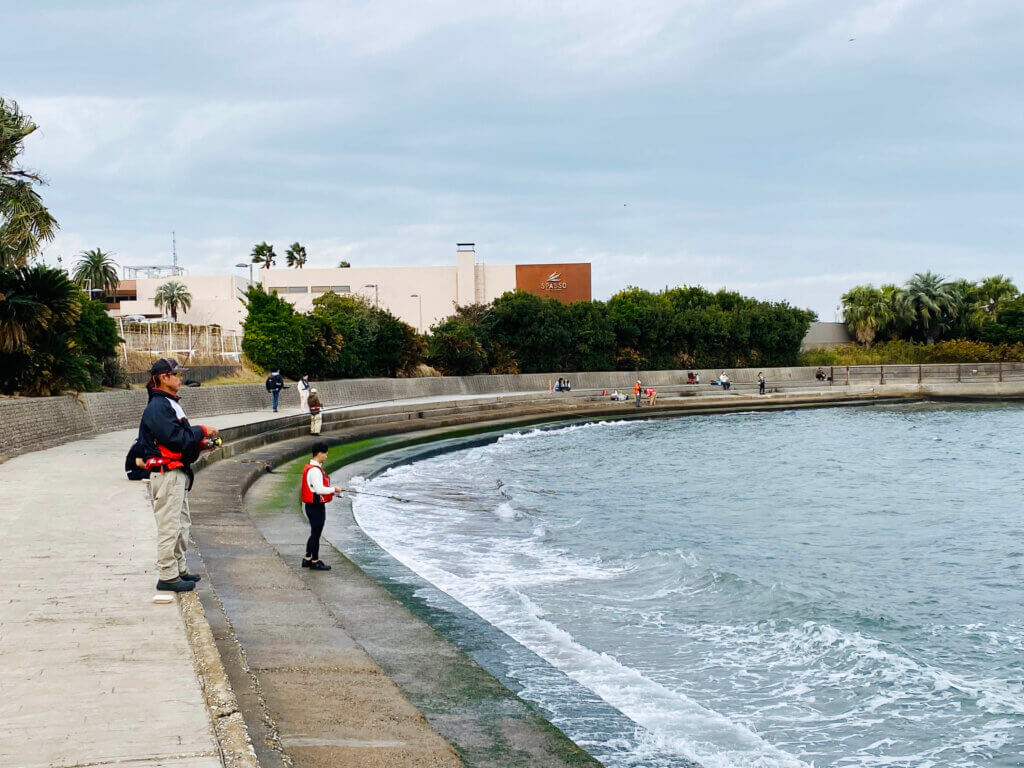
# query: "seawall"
{"type": "Point", "coordinates": [34, 423]}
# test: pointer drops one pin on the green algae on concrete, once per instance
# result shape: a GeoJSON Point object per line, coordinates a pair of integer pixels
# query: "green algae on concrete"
{"type": "Point", "coordinates": [487, 724]}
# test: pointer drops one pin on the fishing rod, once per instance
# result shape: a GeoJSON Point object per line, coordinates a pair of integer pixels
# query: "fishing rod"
{"type": "Point", "coordinates": [403, 500]}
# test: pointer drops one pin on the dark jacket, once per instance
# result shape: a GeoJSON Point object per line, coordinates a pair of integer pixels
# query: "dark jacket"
{"type": "Point", "coordinates": [275, 381]}
{"type": "Point", "coordinates": [164, 431]}
{"type": "Point", "coordinates": [131, 469]}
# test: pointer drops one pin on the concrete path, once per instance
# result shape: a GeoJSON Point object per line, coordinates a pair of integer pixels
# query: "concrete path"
{"type": "Point", "coordinates": [92, 673]}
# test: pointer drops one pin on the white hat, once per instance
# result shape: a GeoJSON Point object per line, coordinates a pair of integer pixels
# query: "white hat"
{"type": "Point", "coordinates": [312, 389]}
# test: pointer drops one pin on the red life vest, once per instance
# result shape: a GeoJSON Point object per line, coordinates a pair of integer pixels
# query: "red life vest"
{"type": "Point", "coordinates": [307, 495]}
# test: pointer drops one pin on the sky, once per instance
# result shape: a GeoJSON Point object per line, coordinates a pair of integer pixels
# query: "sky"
{"type": "Point", "coordinates": [752, 145]}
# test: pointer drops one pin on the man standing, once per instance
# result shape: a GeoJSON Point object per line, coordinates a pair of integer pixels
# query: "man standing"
{"type": "Point", "coordinates": [637, 391]}
{"type": "Point", "coordinates": [275, 383]}
{"type": "Point", "coordinates": [169, 445]}
{"type": "Point", "coordinates": [760, 382]}
{"type": "Point", "coordinates": [316, 419]}
{"type": "Point", "coordinates": [304, 393]}
{"type": "Point", "coordinates": [316, 491]}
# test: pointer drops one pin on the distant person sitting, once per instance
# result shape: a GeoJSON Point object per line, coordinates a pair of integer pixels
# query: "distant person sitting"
{"type": "Point", "coordinates": [566, 386]}
{"type": "Point", "coordinates": [724, 381]}
{"type": "Point", "coordinates": [558, 385]}
{"type": "Point", "coordinates": [820, 374]}
{"type": "Point", "coordinates": [691, 378]}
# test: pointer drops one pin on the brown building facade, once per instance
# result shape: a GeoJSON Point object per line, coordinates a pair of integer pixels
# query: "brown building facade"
{"type": "Point", "coordinates": [565, 282]}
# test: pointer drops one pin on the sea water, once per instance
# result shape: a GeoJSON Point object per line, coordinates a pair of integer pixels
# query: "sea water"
{"type": "Point", "coordinates": [835, 587]}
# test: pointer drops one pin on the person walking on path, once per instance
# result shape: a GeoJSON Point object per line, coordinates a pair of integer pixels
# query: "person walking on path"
{"type": "Point", "coordinates": [637, 390]}
{"type": "Point", "coordinates": [316, 419]}
{"type": "Point", "coordinates": [169, 445]}
{"type": "Point", "coordinates": [275, 383]}
{"type": "Point", "coordinates": [304, 388]}
{"type": "Point", "coordinates": [316, 491]}
{"type": "Point", "coordinates": [760, 382]}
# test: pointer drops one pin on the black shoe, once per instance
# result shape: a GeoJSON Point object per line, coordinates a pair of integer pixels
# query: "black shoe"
{"type": "Point", "coordinates": [319, 565]}
{"type": "Point", "coordinates": [307, 563]}
{"type": "Point", "coordinates": [178, 585]}
{"type": "Point", "coordinates": [193, 577]}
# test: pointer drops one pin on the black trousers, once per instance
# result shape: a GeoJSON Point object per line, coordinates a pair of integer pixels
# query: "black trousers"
{"type": "Point", "coordinates": [760, 387]}
{"type": "Point", "coordinates": [316, 514]}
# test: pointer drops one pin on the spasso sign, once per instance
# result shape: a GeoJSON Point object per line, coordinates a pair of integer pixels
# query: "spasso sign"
{"type": "Point", "coordinates": [554, 283]}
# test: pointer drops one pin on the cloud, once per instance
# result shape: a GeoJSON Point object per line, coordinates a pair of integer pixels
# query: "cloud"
{"type": "Point", "coordinates": [723, 142]}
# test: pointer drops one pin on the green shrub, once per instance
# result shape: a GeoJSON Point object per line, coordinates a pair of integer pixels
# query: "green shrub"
{"type": "Point", "coordinates": [913, 353]}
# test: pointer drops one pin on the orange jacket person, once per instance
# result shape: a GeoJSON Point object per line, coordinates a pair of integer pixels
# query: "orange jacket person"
{"type": "Point", "coordinates": [316, 490]}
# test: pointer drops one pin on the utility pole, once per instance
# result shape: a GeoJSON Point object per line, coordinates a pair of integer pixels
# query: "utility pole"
{"type": "Point", "coordinates": [174, 252]}
{"type": "Point", "coordinates": [420, 298]}
{"type": "Point", "coordinates": [376, 294]}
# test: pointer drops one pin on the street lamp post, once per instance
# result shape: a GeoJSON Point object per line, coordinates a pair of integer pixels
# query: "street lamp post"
{"type": "Point", "coordinates": [420, 298]}
{"type": "Point", "coordinates": [243, 266]}
{"type": "Point", "coordinates": [376, 295]}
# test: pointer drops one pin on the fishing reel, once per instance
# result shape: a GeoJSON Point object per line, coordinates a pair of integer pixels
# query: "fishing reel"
{"type": "Point", "coordinates": [210, 443]}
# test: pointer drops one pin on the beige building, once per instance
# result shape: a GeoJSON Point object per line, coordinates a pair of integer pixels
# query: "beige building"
{"type": "Point", "coordinates": [405, 292]}
{"type": "Point", "coordinates": [216, 299]}
{"type": "Point", "coordinates": [420, 296]}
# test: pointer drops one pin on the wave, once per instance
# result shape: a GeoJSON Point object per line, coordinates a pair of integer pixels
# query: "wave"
{"type": "Point", "coordinates": [537, 432]}
{"type": "Point", "coordinates": [674, 722]}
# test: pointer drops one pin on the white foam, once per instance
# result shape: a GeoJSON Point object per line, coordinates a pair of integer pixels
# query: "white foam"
{"type": "Point", "coordinates": [537, 432]}
{"type": "Point", "coordinates": [675, 722]}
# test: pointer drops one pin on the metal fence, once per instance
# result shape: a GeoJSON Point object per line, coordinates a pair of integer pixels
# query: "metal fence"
{"type": "Point", "coordinates": [181, 341]}
{"type": "Point", "coordinates": [926, 372]}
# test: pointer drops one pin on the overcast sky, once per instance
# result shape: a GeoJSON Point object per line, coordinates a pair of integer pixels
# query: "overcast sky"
{"type": "Point", "coordinates": [745, 144]}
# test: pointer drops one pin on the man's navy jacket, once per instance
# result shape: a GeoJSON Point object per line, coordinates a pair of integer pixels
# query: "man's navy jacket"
{"type": "Point", "coordinates": [164, 431]}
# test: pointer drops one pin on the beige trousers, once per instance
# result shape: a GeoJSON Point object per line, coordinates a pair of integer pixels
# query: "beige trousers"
{"type": "Point", "coordinates": [170, 507]}
{"type": "Point", "coordinates": [315, 423]}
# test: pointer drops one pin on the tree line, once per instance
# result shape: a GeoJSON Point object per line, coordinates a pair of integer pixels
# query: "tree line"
{"type": "Point", "coordinates": [928, 308]}
{"type": "Point", "coordinates": [687, 327]}
{"type": "Point", "coordinates": [53, 337]}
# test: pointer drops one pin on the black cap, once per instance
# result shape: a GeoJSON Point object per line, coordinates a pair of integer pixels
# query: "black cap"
{"type": "Point", "coordinates": [166, 365]}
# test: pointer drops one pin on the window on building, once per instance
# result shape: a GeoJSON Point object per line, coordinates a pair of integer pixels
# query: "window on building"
{"type": "Point", "coordinates": [291, 289]}
{"type": "Point", "coordinates": [326, 288]}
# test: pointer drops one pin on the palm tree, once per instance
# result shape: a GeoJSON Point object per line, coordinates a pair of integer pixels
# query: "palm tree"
{"type": "Point", "coordinates": [994, 291]}
{"type": "Point", "coordinates": [34, 299]}
{"type": "Point", "coordinates": [25, 224]}
{"type": "Point", "coordinates": [343, 264]}
{"type": "Point", "coordinates": [296, 255]}
{"type": "Point", "coordinates": [98, 269]}
{"type": "Point", "coordinates": [866, 312]}
{"type": "Point", "coordinates": [928, 304]}
{"type": "Point", "coordinates": [263, 254]}
{"type": "Point", "coordinates": [174, 296]}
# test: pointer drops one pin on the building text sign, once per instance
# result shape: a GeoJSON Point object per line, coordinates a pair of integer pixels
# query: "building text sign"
{"type": "Point", "coordinates": [565, 282]}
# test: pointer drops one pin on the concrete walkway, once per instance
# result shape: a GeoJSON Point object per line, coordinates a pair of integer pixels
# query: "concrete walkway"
{"type": "Point", "coordinates": [92, 672]}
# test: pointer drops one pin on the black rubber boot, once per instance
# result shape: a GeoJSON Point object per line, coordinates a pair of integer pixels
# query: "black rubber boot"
{"type": "Point", "coordinates": [178, 585]}
{"type": "Point", "coordinates": [190, 577]}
